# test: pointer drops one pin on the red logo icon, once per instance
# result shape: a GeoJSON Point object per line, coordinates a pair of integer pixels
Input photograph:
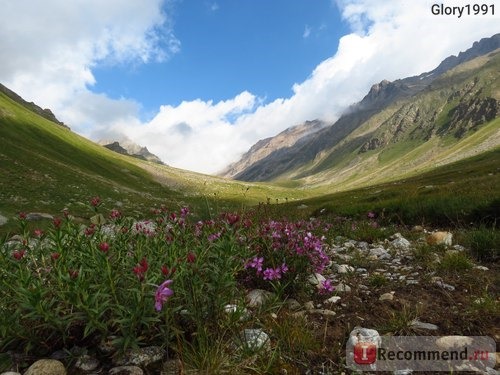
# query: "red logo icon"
{"type": "Point", "coordinates": [365, 353]}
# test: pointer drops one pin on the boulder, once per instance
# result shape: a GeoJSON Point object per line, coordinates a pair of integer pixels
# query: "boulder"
{"type": "Point", "coordinates": [46, 367]}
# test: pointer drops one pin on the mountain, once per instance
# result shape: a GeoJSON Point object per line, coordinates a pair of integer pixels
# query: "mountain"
{"type": "Point", "coordinates": [129, 148]}
{"type": "Point", "coordinates": [419, 119]}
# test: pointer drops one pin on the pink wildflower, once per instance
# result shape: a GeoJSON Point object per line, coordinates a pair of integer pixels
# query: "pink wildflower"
{"type": "Point", "coordinates": [163, 293]}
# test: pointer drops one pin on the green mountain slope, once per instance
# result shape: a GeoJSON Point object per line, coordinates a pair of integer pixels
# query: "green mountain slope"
{"type": "Point", "coordinates": [455, 117]}
{"type": "Point", "coordinates": [45, 167]}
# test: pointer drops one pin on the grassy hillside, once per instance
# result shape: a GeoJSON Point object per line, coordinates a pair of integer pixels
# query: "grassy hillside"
{"type": "Point", "coordinates": [45, 167]}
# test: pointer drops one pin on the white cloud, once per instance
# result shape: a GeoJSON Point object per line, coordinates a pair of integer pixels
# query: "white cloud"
{"type": "Point", "coordinates": [307, 32]}
{"type": "Point", "coordinates": [48, 50]}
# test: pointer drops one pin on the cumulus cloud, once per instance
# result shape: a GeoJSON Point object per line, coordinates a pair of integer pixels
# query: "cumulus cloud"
{"type": "Point", "coordinates": [50, 61]}
{"type": "Point", "coordinates": [49, 48]}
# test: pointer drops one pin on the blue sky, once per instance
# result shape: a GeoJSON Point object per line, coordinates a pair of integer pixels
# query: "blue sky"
{"type": "Point", "coordinates": [230, 46]}
{"type": "Point", "coordinates": [199, 82]}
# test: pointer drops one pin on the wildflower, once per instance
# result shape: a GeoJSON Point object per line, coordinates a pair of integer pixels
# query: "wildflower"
{"type": "Point", "coordinates": [184, 212]}
{"type": "Point", "coordinates": [104, 247]}
{"type": "Point", "coordinates": [38, 232]}
{"type": "Point", "coordinates": [232, 219]}
{"type": "Point", "coordinates": [73, 273]}
{"type": "Point", "coordinates": [95, 201]}
{"type": "Point", "coordinates": [141, 269]}
{"type": "Point", "coordinates": [284, 268]}
{"type": "Point", "coordinates": [164, 270]}
{"type": "Point", "coordinates": [191, 257]}
{"type": "Point", "coordinates": [55, 256]}
{"type": "Point", "coordinates": [214, 236]}
{"type": "Point", "coordinates": [90, 230]}
{"type": "Point", "coordinates": [57, 222]}
{"type": "Point", "coordinates": [115, 214]}
{"type": "Point", "coordinates": [256, 263]}
{"type": "Point", "coordinates": [18, 254]}
{"type": "Point", "coordinates": [22, 215]}
{"type": "Point", "coordinates": [371, 215]}
{"type": "Point", "coordinates": [163, 293]}
{"type": "Point", "coordinates": [272, 274]}
{"type": "Point", "coordinates": [326, 287]}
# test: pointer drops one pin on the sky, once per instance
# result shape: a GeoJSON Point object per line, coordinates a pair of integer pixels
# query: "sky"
{"type": "Point", "coordinates": [198, 82]}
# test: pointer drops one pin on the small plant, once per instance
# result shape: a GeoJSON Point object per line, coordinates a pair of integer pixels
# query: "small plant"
{"type": "Point", "coordinates": [455, 262]}
{"type": "Point", "coordinates": [400, 322]}
{"type": "Point", "coordinates": [483, 242]}
{"type": "Point", "coordinates": [377, 280]}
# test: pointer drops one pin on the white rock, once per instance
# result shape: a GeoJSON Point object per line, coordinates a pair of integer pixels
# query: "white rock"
{"type": "Point", "coordinates": [87, 363]}
{"type": "Point", "coordinates": [342, 287]}
{"type": "Point", "coordinates": [387, 297]}
{"type": "Point", "coordinates": [46, 367]}
{"type": "Point", "coordinates": [421, 325]}
{"type": "Point", "coordinates": [324, 312]}
{"type": "Point", "coordinates": [344, 268]}
{"type": "Point", "coordinates": [380, 253]}
{"type": "Point", "coordinates": [401, 243]}
{"type": "Point", "coordinates": [481, 268]}
{"type": "Point", "coordinates": [3, 220]}
{"type": "Point", "coordinates": [255, 339]}
{"type": "Point", "coordinates": [332, 300]}
{"type": "Point", "coordinates": [257, 297]}
{"type": "Point", "coordinates": [450, 342]}
{"type": "Point", "coordinates": [316, 279]}
{"type": "Point", "coordinates": [309, 305]}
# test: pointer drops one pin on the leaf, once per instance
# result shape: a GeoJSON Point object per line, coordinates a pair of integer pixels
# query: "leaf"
{"type": "Point", "coordinates": [98, 219]}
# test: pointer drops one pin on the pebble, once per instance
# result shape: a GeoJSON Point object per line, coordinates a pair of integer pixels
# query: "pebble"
{"type": "Point", "coordinates": [342, 287]}
{"type": "Point", "coordinates": [387, 297]}
{"type": "Point", "coordinates": [421, 325]}
{"type": "Point", "coordinates": [126, 370]}
{"type": "Point", "coordinates": [257, 297]}
{"type": "Point", "coordinates": [255, 339]}
{"type": "Point", "coordinates": [46, 367]}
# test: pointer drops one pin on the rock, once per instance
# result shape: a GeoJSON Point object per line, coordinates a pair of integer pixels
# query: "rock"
{"type": "Point", "coordinates": [362, 335]}
{"type": "Point", "coordinates": [417, 228]}
{"type": "Point", "coordinates": [443, 285]}
{"type": "Point", "coordinates": [316, 279]}
{"type": "Point", "coordinates": [481, 268]}
{"type": "Point", "coordinates": [421, 325]}
{"type": "Point", "coordinates": [255, 339]}
{"type": "Point", "coordinates": [451, 342]}
{"type": "Point", "coordinates": [292, 304]}
{"type": "Point", "coordinates": [309, 305]}
{"type": "Point", "coordinates": [387, 297]}
{"type": "Point", "coordinates": [106, 347]}
{"type": "Point", "coordinates": [140, 357]}
{"type": "Point", "coordinates": [302, 207]}
{"type": "Point", "coordinates": [344, 268]}
{"type": "Point", "coordinates": [34, 216]}
{"type": "Point", "coordinates": [87, 363]}
{"type": "Point", "coordinates": [126, 370]}
{"type": "Point", "coordinates": [324, 312]}
{"type": "Point", "coordinates": [440, 238]}
{"type": "Point", "coordinates": [257, 297]}
{"type": "Point", "coordinates": [10, 373]}
{"type": "Point", "coordinates": [171, 367]}
{"type": "Point", "coordinates": [380, 253]}
{"type": "Point", "coordinates": [332, 300]}
{"type": "Point", "coordinates": [342, 287]}
{"type": "Point", "coordinates": [46, 367]}
{"type": "Point", "coordinates": [3, 220]}
{"type": "Point", "coordinates": [400, 243]}
{"type": "Point", "coordinates": [361, 270]}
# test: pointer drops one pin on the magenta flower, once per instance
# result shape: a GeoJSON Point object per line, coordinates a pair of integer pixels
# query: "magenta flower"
{"type": "Point", "coordinates": [326, 287]}
{"type": "Point", "coordinates": [163, 293]}
{"type": "Point", "coordinates": [256, 263]}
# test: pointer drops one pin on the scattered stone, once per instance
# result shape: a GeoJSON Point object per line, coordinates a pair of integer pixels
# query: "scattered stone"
{"type": "Point", "coordinates": [344, 268]}
{"type": "Point", "coordinates": [87, 363]}
{"type": "Point", "coordinates": [481, 268]}
{"type": "Point", "coordinates": [3, 220]}
{"type": "Point", "coordinates": [451, 342]}
{"type": "Point", "coordinates": [316, 279]}
{"type": "Point", "coordinates": [126, 370]}
{"type": "Point", "coordinates": [171, 367]}
{"type": "Point", "coordinates": [440, 238]}
{"type": "Point", "coordinates": [387, 297]}
{"type": "Point", "coordinates": [412, 282]}
{"type": "Point", "coordinates": [400, 242]}
{"type": "Point", "coordinates": [380, 253]}
{"type": "Point", "coordinates": [309, 305]}
{"type": "Point", "coordinates": [417, 324]}
{"type": "Point", "coordinates": [361, 270]}
{"type": "Point", "coordinates": [46, 367]}
{"type": "Point", "coordinates": [302, 207]}
{"type": "Point", "coordinates": [257, 297]}
{"type": "Point", "coordinates": [140, 357]}
{"type": "Point", "coordinates": [342, 287]}
{"type": "Point", "coordinates": [324, 312]}
{"type": "Point", "coordinates": [332, 300]}
{"type": "Point", "coordinates": [34, 216]}
{"type": "Point", "coordinates": [459, 247]}
{"type": "Point", "coordinates": [443, 285]}
{"type": "Point", "coordinates": [255, 339]}
{"type": "Point", "coordinates": [292, 304]}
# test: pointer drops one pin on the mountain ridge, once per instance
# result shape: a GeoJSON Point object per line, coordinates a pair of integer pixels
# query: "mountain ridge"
{"type": "Point", "coordinates": [293, 161]}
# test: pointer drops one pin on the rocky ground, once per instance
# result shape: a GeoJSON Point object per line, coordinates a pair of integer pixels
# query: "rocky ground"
{"type": "Point", "coordinates": [418, 285]}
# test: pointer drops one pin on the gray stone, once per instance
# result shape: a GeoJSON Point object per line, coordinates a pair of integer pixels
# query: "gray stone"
{"type": "Point", "coordinates": [323, 312]}
{"type": "Point", "coordinates": [380, 253]}
{"type": "Point", "coordinates": [443, 285]}
{"type": "Point", "coordinates": [386, 297]}
{"type": "Point", "coordinates": [126, 370]}
{"type": "Point", "coordinates": [417, 324]}
{"type": "Point", "coordinates": [481, 268]}
{"type": "Point", "coordinates": [342, 287]}
{"type": "Point", "coordinates": [10, 373]}
{"type": "Point", "coordinates": [332, 300]}
{"type": "Point", "coordinates": [140, 357]}
{"type": "Point", "coordinates": [453, 342]}
{"type": "Point", "coordinates": [362, 335]}
{"type": "Point", "coordinates": [344, 268]}
{"type": "Point", "coordinates": [292, 304]}
{"type": "Point", "coordinates": [309, 305]}
{"type": "Point", "coordinates": [46, 367]}
{"type": "Point", "coordinates": [232, 309]}
{"type": "Point", "coordinates": [34, 216]}
{"type": "Point", "coordinates": [257, 297]}
{"type": "Point", "coordinates": [87, 363]}
{"type": "Point", "coordinates": [255, 339]}
{"type": "Point", "coordinates": [361, 270]}
{"type": "Point", "coordinates": [171, 367]}
{"type": "Point", "coordinates": [3, 220]}
{"type": "Point", "coordinates": [316, 279]}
